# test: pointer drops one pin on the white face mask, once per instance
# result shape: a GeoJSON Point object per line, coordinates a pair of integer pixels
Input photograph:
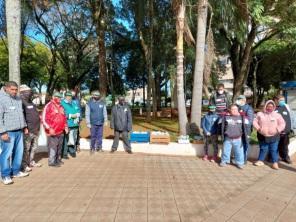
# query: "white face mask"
{"type": "Point", "coordinates": [220, 91]}
{"type": "Point", "coordinates": [238, 103]}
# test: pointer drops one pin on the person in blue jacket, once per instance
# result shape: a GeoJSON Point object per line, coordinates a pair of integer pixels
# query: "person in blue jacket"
{"type": "Point", "coordinates": [209, 125]}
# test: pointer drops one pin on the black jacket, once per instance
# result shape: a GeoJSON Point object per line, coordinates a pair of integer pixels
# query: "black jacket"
{"type": "Point", "coordinates": [285, 113]}
{"type": "Point", "coordinates": [31, 116]}
{"type": "Point", "coordinates": [121, 118]}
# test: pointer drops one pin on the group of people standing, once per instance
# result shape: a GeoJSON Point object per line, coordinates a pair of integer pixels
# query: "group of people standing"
{"type": "Point", "coordinates": [20, 123]}
{"type": "Point", "coordinates": [235, 122]}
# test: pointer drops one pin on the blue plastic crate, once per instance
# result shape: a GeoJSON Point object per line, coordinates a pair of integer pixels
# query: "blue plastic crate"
{"type": "Point", "coordinates": [140, 137]}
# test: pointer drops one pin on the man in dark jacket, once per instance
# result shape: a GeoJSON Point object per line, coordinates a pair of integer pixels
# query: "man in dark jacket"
{"type": "Point", "coordinates": [121, 122]}
{"type": "Point", "coordinates": [96, 116]}
{"type": "Point", "coordinates": [33, 124]}
{"type": "Point", "coordinates": [247, 111]}
{"type": "Point", "coordinates": [209, 125]}
{"type": "Point", "coordinates": [233, 126]}
{"type": "Point", "coordinates": [284, 110]}
{"type": "Point", "coordinates": [221, 99]}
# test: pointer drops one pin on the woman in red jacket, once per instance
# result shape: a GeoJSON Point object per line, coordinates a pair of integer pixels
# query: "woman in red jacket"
{"type": "Point", "coordinates": [55, 123]}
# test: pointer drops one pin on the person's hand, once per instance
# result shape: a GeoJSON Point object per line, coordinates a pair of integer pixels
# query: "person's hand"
{"type": "Point", "coordinates": [66, 130]}
{"type": "Point", "coordinates": [26, 131]}
{"type": "Point", "coordinates": [51, 131]}
{"type": "Point", "coordinates": [208, 133]}
{"type": "Point", "coordinates": [5, 137]}
{"type": "Point", "coordinates": [106, 123]}
{"type": "Point", "coordinates": [88, 126]}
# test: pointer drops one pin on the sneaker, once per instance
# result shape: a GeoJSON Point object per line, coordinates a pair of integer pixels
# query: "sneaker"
{"type": "Point", "coordinates": [259, 163]}
{"type": "Point", "coordinates": [54, 165]}
{"type": "Point", "coordinates": [7, 180]}
{"type": "Point", "coordinates": [287, 160]}
{"type": "Point", "coordinates": [28, 169]}
{"type": "Point", "coordinates": [34, 164]}
{"type": "Point", "coordinates": [66, 157]}
{"type": "Point", "coordinates": [100, 150]}
{"type": "Point", "coordinates": [21, 174]}
{"type": "Point", "coordinates": [222, 164]}
{"type": "Point", "coordinates": [214, 159]}
{"type": "Point", "coordinates": [240, 167]}
{"type": "Point", "coordinates": [60, 162]}
{"type": "Point", "coordinates": [112, 151]}
{"type": "Point", "coordinates": [275, 166]}
{"type": "Point", "coordinates": [205, 157]}
{"type": "Point", "coordinates": [129, 152]}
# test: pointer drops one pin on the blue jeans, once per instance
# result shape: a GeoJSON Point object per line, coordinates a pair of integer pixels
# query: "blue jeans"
{"type": "Point", "coordinates": [13, 148]}
{"type": "Point", "coordinates": [272, 148]}
{"type": "Point", "coordinates": [237, 148]}
{"type": "Point", "coordinates": [246, 145]}
{"type": "Point", "coordinates": [96, 136]}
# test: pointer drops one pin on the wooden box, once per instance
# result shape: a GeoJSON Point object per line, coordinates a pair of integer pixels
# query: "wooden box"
{"type": "Point", "coordinates": [159, 138]}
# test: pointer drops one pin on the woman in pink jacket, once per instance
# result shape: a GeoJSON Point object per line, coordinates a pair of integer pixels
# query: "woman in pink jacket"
{"type": "Point", "coordinates": [269, 125]}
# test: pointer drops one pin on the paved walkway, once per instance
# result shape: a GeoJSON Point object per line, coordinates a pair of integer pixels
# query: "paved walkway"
{"type": "Point", "coordinates": [139, 187]}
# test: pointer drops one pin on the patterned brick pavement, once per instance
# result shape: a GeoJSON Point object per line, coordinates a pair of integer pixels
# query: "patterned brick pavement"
{"type": "Point", "coordinates": [139, 187]}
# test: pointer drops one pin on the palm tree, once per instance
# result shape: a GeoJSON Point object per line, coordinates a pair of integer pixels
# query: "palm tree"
{"type": "Point", "coordinates": [199, 62]}
{"type": "Point", "coordinates": [13, 18]}
{"type": "Point", "coordinates": [180, 12]}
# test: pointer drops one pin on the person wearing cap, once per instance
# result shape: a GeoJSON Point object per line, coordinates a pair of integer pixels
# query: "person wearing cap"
{"type": "Point", "coordinates": [55, 124]}
{"type": "Point", "coordinates": [247, 111]}
{"type": "Point", "coordinates": [72, 112]}
{"type": "Point", "coordinates": [209, 124]}
{"type": "Point", "coordinates": [96, 116]}
{"type": "Point", "coordinates": [33, 124]}
{"type": "Point", "coordinates": [121, 122]}
{"type": "Point", "coordinates": [12, 126]}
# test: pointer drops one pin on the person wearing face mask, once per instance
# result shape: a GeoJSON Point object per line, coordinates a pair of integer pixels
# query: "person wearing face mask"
{"type": "Point", "coordinates": [12, 127]}
{"type": "Point", "coordinates": [284, 111]}
{"type": "Point", "coordinates": [33, 121]}
{"type": "Point", "coordinates": [96, 116]}
{"type": "Point", "coordinates": [247, 111]}
{"type": "Point", "coordinates": [269, 126]}
{"type": "Point", "coordinates": [209, 125]}
{"type": "Point", "coordinates": [72, 111]}
{"type": "Point", "coordinates": [121, 122]}
{"type": "Point", "coordinates": [55, 124]}
{"type": "Point", "coordinates": [220, 99]}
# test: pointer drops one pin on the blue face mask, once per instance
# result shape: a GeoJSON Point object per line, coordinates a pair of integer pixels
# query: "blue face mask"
{"type": "Point", "coordinates": [282, 103]}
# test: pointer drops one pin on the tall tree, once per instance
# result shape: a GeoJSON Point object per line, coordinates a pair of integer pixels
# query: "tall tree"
{"type": "Point", "coordinates": [13, 19]}
{"type": "Point", "coordinates": [180, 21]}
{"type": "Point", "coordinates": [199, 62]}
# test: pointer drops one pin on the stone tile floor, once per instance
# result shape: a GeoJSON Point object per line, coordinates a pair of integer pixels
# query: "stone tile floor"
{"type": "Point", "coordinates": [139, 187]}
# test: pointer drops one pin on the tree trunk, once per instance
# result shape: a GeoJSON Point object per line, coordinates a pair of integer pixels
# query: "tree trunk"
{"type": "Point", "coordinates": [239, 79]}
{"type": "Point", "coordinates": [13, 19]}
{"type": "Point", "coordinates": [199, 63]}
{"type": "Point", "coordinates": [254, 83]}
{"type": "Point", "coordinates": [180, 70]}
{"type": "Point", "coordinates": [102, 62]}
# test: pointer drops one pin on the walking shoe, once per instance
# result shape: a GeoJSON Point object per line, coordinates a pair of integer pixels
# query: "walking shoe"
{"type": "Point", "coordinates": [7, 180]}
{"type": "Point", "coordinates": [259, 163]}
{"type": "Point", "coordinates": [287, 160]}
{"type": "Point", "coordinates": [214, 159]}
{"type": "Point", "coordinates": [222, 164]}
{"type": "Point", "coordinates": [34, 164]}
{"type": "Point", "coordinates": [92, 151]}
{"type": "Point", "coordinates": [275, 166]}
{"type": "Point", "coordinates": [28, 169]}
{"type": "Point", "coordinates": [54, 165]}
{"type": "Point", "coordinates": [73, 155]}
{"type": "Point", "coordinates": [65, 157]}
{"type": "Point", "coordinates": [112, 151]}
{"type": "Point", "coordinates": [205, 157]}
{"type": "Point", "coordinates": [60, 162]}
{"type": "Point", "coordinates": [240, 167]}
{"type": "Point", "coordinates": [21, 174]}
{"type": "Point", "coordinates": [129, 152]}
{"type": "Point", "coordinates": [100, 150]}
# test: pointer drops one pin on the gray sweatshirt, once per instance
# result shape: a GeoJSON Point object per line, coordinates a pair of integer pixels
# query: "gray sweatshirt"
{"type": "Point", "coordinates": [11, 113]}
